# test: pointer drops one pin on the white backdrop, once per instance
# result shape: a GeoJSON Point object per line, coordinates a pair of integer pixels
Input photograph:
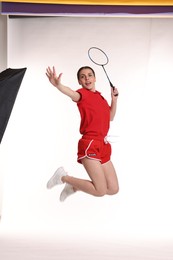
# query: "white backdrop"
{"type": "Point", "coordinates": [43, 130]}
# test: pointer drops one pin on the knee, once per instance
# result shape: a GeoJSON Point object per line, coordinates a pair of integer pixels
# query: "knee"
{"type": "Point", "coordinates": [107, 191]}
{"type": "Point", "coordinates": [113, 190]}
{"type": "Point", "coordinates": [101, 192]}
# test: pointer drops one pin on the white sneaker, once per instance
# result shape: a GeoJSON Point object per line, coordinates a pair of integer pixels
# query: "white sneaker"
{"type": "Point", "coordinates": [56, 178]}
{"type": "Point", "coordinates": [66, 192]}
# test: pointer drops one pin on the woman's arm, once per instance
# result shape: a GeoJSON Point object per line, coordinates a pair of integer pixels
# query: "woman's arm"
{"type": "Point", "coordinates": [113, 108]}
{"type": "Point", "coordinates": [56, 81]}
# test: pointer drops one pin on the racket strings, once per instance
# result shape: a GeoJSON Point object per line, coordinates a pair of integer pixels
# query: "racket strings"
{"type": "Point", "coordinates": [98, 56]}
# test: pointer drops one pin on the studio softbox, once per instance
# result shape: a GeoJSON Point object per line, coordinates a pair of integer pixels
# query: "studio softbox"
{"type": "Point", "coordinates": [10, 81]}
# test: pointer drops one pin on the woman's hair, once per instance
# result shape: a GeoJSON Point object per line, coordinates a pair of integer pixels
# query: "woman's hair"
{"type": "Point", "coordinates": [84, 67]}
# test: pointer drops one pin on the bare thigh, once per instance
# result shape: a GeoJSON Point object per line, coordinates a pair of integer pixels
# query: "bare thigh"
{"type": "Point", "coordinates": [97, 175]}
{"type": "Point", "coordinates": [111, 178]}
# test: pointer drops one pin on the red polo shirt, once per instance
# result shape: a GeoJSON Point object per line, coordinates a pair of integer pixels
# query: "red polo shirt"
{"type": "Point", "coordinates": [95, 113]}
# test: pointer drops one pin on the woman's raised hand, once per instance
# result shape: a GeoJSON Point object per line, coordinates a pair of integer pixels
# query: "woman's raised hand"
{"type": "Point", "coordinates": [53, 78]}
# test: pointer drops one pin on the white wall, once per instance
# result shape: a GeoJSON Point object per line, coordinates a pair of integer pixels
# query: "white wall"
{"type": "Point", "coordinates": [43, 130]}
{"type": "Point", "coordinates": [3, 66]}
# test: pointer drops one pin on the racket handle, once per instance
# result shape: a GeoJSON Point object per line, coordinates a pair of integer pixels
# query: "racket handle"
{"type": "Point", "coordinates": [112, 86]}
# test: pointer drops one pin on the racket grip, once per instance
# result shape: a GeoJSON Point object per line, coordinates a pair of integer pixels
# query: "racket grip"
{"type": "Point", "coordinates": [112, 86]}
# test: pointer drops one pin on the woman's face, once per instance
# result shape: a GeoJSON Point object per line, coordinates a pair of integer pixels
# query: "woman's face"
{"type": "Point", "coordinates": [87, 79]}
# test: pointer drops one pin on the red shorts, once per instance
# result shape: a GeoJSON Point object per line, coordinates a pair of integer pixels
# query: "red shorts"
{"type": "Point", "coordinates": [94, 149]}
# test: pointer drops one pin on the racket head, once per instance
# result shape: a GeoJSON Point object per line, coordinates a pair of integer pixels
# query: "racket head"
{"type": "Point", "coordinates": [98, 56]}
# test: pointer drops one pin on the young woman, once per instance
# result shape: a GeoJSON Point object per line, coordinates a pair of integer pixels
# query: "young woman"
{"type": "Point", "coordinates": [94, 151]}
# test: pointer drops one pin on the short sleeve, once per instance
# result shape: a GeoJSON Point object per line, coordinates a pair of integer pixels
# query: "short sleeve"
{"type": "Point", "coordinates": [83, 93]}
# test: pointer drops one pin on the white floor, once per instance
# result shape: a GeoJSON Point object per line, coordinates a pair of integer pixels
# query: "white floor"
{"type": "Point", "coordinates": [68, 247]}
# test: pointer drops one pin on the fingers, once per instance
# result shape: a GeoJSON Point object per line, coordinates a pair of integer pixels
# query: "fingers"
{"type": "Point", "coordinates": [54, 72]}
{"type": "Point", "coordinates": [53, 78]}
{"type": "Point", "coordinates": [50, 72]}
{"type": "Point", "coordinates": [115, 92]}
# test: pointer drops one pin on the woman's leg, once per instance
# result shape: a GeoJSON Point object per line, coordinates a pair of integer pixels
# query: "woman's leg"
{"type": "Point", "coordinates": [98, 184]}
{"type": "Point", "coordinates": [111, 178]}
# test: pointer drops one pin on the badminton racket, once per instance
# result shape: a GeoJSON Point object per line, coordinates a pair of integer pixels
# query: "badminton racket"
{"type": "Point", "coordinates": [100, 58]}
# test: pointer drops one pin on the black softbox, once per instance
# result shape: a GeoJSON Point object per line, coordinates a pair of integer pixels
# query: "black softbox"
{"type": "Point", "coordinates": [10, 81]}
